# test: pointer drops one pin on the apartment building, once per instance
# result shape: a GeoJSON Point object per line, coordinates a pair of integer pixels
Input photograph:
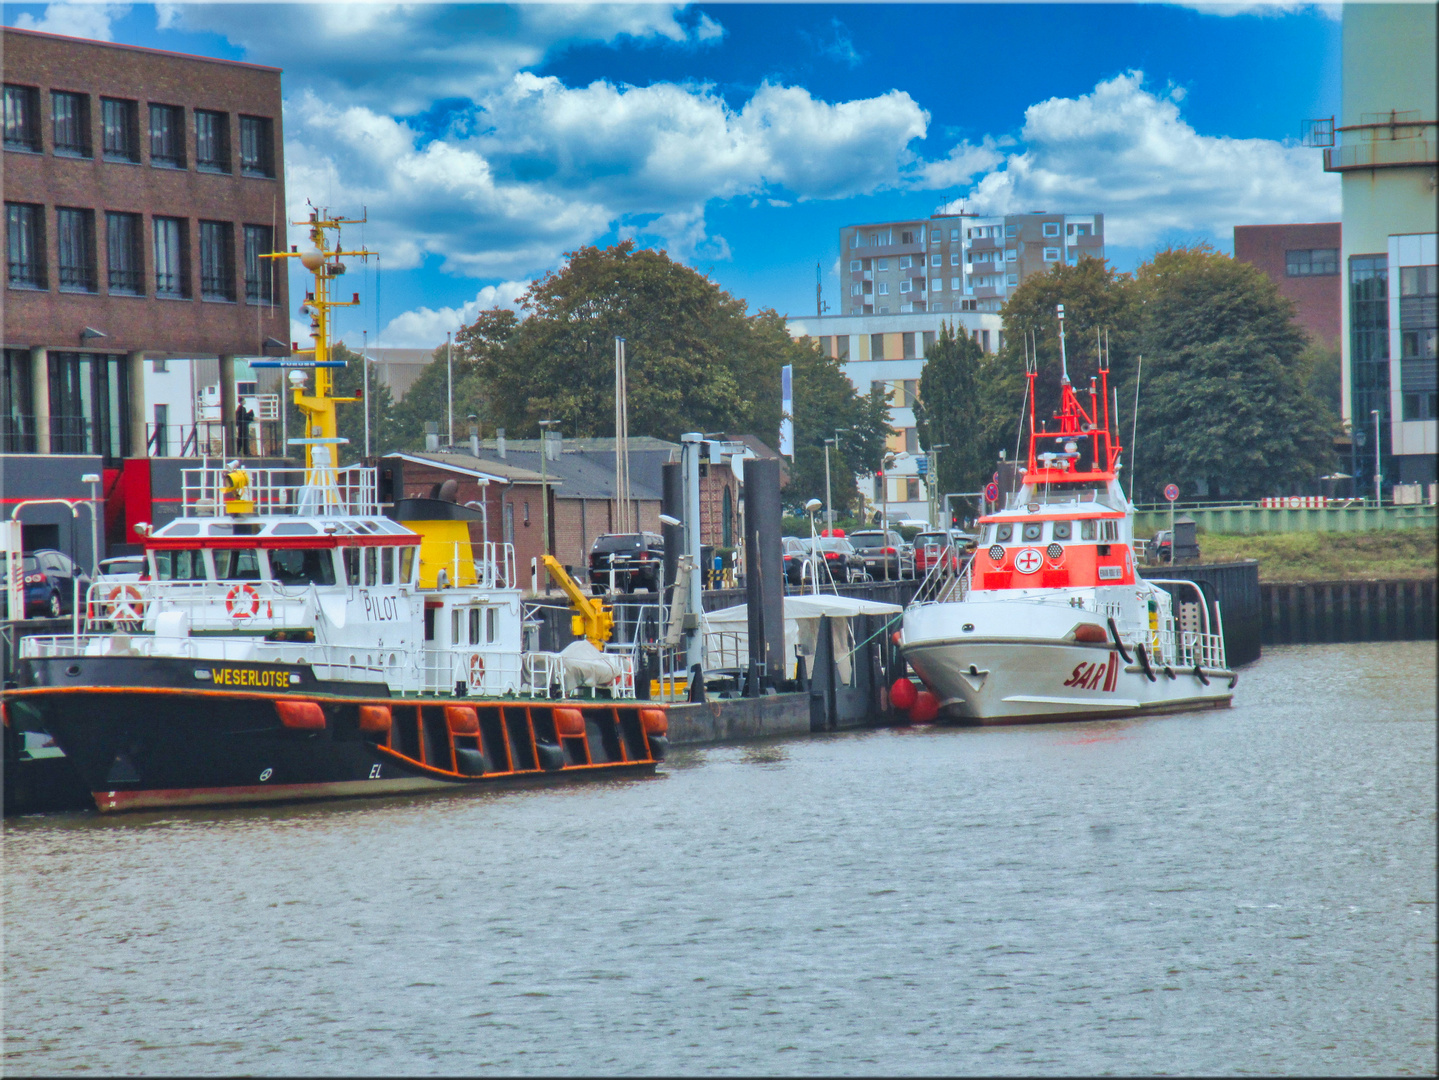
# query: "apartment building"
{"type": "Point", "coordinates": [957, 262]}
{"type": "Point", "coordinates": [1385, 151]}
{"type": "Point", "coordinates": [141, 190]}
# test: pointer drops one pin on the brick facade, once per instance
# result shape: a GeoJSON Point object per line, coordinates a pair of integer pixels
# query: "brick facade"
{"type": "Point", "coordinates": [1317, 297]}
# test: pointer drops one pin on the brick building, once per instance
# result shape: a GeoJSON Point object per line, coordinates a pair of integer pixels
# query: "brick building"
{"type": "Point", "coordinates": [141, 188]}
{"type": "Point", "coordinates": [1303, 260]}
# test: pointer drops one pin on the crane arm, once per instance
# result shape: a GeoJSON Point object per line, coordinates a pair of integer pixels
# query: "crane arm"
{"type": "Point", "coordinates": [591, 618]}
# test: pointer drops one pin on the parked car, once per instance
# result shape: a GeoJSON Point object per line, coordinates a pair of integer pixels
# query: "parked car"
{"type": "Point", "coordinates": [882, 553]}
{"type": "Point", "coordinates": [932, 549]}
{"type": "Point", "coordinates": [122, 568]}
{"type": "Point", "coordinates": [635, 558]}
{"type": "Point", "coordinates": [795, 550]}
{"type": "Point", "coordinates": [1160, 548]}
{"type": "Point", "coordinates": [50, 578]}
{"type": "Point", "coordinates": [842, 564]}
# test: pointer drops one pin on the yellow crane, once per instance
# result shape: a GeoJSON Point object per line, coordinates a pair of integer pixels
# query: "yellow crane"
{"type": "Point", "coordinates": [591, 619]}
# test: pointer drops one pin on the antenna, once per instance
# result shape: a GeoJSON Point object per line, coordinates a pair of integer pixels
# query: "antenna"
{"type": "Point", "coordinates": [1063, 361]}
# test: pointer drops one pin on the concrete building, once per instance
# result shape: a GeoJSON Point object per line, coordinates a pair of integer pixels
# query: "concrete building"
{"type": "Point", "coordinates": [886, 353]}
{"type": "Point", "coordinates": [1303, 260]}
{"type": "Point", "coordinates": [1385, 149]}
{"type": "Point", "coordinates": [956, 262]}
{"type": "Point", "coordinates": [397, 369]}
{"type": "Point", "coordinates": [141, 188]}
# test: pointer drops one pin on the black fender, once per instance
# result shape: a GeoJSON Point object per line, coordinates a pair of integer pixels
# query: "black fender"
{"type": "Point", "coordinates": [471, 762]}
{"type": "Point", "coordinates": [1143, 654]}
{"type": "Point", "coordinates": [659, 747]}
{"type": "Point", "coordinates": [1169, 671]}
{"type": "Point", "coordinates": [1199, 674]}
{"type": "Point", "coordinates": [1114, 636]}
{"type": "Point", "coordinates": [551, 757]}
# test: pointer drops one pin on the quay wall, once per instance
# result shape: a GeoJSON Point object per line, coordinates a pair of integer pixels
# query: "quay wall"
{"type": "Point", "coordinates": [1252, 520]}
{"type": "Point", "coordinates": [736, 719]}
{"type": "Point", "coordinates": [1315, 611]}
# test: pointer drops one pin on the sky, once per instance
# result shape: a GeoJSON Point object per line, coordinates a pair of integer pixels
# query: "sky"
{"type": "Point", "coordinates": [486, 141]}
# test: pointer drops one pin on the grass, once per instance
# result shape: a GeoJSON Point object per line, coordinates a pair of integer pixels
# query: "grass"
{"type": "Point", "coordinates": [1330, 556]}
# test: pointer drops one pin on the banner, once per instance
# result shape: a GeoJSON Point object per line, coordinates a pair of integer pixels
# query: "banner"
{"type": "Point", "coordinates": [786, 423]}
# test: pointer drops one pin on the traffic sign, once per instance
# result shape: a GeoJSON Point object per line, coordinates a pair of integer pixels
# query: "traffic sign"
{"type": "Point", "coordinates": [922, 463]}
{"type": "Point", "coordinates": [1171, 492]}
{"type": "Point", "coordinates": [991, 492]}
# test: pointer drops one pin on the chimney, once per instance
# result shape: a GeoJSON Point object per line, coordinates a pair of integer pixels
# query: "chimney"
{"type": "Point", "coordinates": [500, 442]}
{"type": "Point", "coordinates": [432, 435]}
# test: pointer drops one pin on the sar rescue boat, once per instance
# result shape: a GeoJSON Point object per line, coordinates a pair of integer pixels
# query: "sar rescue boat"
{"type": "Point", "coordinates": [293, 639]}
{"type": "Point", "coordinates": [1050, 619]}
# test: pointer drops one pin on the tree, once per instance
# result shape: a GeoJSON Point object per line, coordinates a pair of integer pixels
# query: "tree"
{"type": "Point", "coordinates": [1226, 408]}
{"type": "Point", "coordinates": [948, 411]}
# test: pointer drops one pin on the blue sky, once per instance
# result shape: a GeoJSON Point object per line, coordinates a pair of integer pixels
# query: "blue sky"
{"type": "Point", "coordinates": [486, 141]}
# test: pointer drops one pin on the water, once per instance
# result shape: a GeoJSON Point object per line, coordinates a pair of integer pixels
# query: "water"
{"type": "Point", "coordinates": [1244, 891]}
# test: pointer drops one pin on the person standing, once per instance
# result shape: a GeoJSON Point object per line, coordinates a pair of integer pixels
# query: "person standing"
{"type": "Point", "coordinates": [243, 418]}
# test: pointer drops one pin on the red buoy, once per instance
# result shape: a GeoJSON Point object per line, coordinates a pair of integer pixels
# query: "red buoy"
{"type": "Point", "coordinates": [902, 694]}
{"type": "Point", "coordinates": [925, 709]}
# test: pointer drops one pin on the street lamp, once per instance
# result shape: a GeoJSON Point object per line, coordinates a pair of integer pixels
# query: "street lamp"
{"type": "Point", "coordinates": [545, 425]}
{"type": "Point", "coordinates": [931, 482]}
{"type": "Point", "coordinates": [1377, 475]}
{"type": "Point", "coordinates": [828, 494]}
{"type": "Point", "coordinates": [810, 508]}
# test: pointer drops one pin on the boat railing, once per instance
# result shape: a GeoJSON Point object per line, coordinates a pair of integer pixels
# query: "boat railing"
{"type": "Point", "coordinates": [726, 650]}
{"type": "Point", "coordinates": [944, 584]}
{"type": "Point", "coordinates": [1198, 642]}
{"type": "Point", "coordinates": [484, 672]}
{"type": "Point", "coordinates": [321, 491]}
{"type": "Point", "coordinates": [546, 674]}
{"type": "Point", "coordinates": [131, 606]}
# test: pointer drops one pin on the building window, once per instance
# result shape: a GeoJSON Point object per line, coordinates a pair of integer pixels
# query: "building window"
{"type": "Point", "coordinates": [217, 260]}
{"type": "Point", "coordinates": [954, 258]}
{"type": "Point", "coordinates": [876, 346]}
{"type": "Point", "coordinates": [212, 141]}
{"type": "Point", "coordinates": [856, 289]}
{"type": "Point", "coordinates": [1010, 230]}
{"type": "Point", "coordinates": [257, 151]}
{"type": "Point", "coordinates": [936, 307]}
{"type": "Point", "coordinates": [22, 118]}
{"type": "Point", "coordinates": [936, 260]}
{"type": "Point", "coordinates": [71, 115]}
{"type": "Point", "coordinates": [1316, 262]}
{"type": "Point", "coordinates": [122, 253]}
{"type": "Point", "coordinates": [907, 236]}
{"type": "Point", "coordinates": [937, 284]}
{"type": "Point", "coordinates": [905, 286]}
{"type": "Point", "coordinates": [89, 404]}
{"type": "Point", "coordinates": [25, 245]}
{"type": "Point", "coordinates": [1418, 317]}
{"type": "Point", "coordinates": [881, 264]}
{"type": "Point", "coordinates": [954, 236]}
{"type": "Point", "coordinates": [259, 273]}
{"type": "Point", "coordinates": [1051, 228]}
{"type": "Point", "coordinates": [1051, 254]}
{"type": "Point", "coordinates": [1013, 279]}
{"type": "Point", "coordinates": [954, 284]}
{"type": "Point", "coordinates": [171, 272]}
{"type": "Point", "coordinates": [905, 262]}
{"type": "Point", "coordinates": [841, 347]}
{"type": "Point", "coordinates": [167, 136]}
{"type": "Point", "coordinates": [884, 288]}
{"type": "Point", "coordinates": [1369, 357]}
{"type": "Point", "coordinates": [75, 239]}
{"type": "Point", "coordinates": [853, 265]}
{"type": "Point", "coordinates": [1010, 254]}
{"type": "Point", "coordinates": [119, 138]}
{"type": "Point", "coordinates": [935, 235]}
{"type": "Point", "coordinates": [907, 341]}
{"type": "Point", "coordinates": [17, 404]}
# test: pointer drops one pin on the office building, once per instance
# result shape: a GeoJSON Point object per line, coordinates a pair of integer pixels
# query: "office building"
{"type": "Point", "coordinates": [956, 262]}
{"type": "Point", "coordinates": [1384, 148]}
{"type": "Point", "coordinates": [1303, 260]}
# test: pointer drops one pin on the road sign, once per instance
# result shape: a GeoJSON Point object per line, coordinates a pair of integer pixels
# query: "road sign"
{"type": "Point", "coordinates": [922, 463]}
{"type": "Point", "coordinates": [991, 492]}
{"type": "Point", "coordinates": [1171, 492]}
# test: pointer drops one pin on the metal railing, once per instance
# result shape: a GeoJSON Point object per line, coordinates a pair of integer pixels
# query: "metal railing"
{"type": "Point", "coordinates": [212, 438]}
{"type": "Point", "coordinates": [352, 490]}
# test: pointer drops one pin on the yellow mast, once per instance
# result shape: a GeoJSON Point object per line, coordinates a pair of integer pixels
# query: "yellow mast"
{"type": "Point", "coordinates": [324, 263]}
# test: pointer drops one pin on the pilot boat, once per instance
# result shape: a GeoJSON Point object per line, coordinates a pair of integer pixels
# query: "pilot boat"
{"type": "Point", "coordinates": [292, 639]}
{"type": "Point", "coordinates": [1050, 620]}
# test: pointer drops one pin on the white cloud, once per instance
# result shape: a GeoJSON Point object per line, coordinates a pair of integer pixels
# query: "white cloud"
{"type": "Point", "coordinates": [1260, 7]}
{"type": "Point", "coordinates": [1129, 154]}
{"type": "Point", "coordinates": [424, 328]}
{"type": "Point", "coordinates": [75, 20]}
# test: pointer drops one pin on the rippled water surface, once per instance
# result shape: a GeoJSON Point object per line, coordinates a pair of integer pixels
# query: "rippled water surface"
{"type": "Point", "coordinates": [1244, 891]}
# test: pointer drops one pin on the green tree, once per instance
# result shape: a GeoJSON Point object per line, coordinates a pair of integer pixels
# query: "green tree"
{"type": "Point", "coordinates": [948, 411]}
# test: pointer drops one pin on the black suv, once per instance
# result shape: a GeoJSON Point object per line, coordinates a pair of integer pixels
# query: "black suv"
{"type": "Point", "coordinates": [883, 554]}
{"type": "Point", "coordinates": [636, 559]}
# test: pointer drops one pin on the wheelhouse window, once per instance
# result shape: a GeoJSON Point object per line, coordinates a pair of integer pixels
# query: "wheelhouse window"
{"type": "Point", "coordinates": [22, 118]}
{"type": "Point", "coordinates": [1005, 533]}
{"type": "Point", "coordinates": [167, 136]}
{"type": "Point", "coordinates": [171, 278]}
{"type": "Point", "coordinates": [407, 565]}
{"type": "Point", "coordinates": [237, 564]}
{"type": "Point", "coordinates": [302, 566]}
{"type": "Point", "coordinates": [1086, 529]}
{"type": "Point", "coordinates": [122, 251]}
{"type": "Point", "coordinates": [217, 260]}
{"type": "Point", "coordinates": [257, 152]}
{"type": "Point", "coordinates": [212, 141]}
{"type": "Point", "coordinates": [75, 240]}
{"type": "Point", "coordinates": [1033, 531]}
{"type": "Point", "coordinates": [25, 245]}
{"type": "Point", "coordinates": [120, 140]}
{"type": "Point", "coordinates": [71, 117]}
{"type": "Point", "coordinates": [1063, 530]}
{"type": "Point", "coordinates": [185, 564]}
{"type": "Point", "coordinates": [259, 272]}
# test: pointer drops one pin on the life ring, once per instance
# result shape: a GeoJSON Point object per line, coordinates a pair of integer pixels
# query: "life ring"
{"type": "Point", "coordinates": [477, 669]}
{"type": "Point", "coordinates": [123, 604]}
{"type": "Point", "coordinates": [242, 602]}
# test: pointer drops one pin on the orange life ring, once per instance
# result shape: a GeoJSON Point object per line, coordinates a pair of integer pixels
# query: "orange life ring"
{"type": "Point", "coordinates": [477, 668]}
{"type": "Point", "coordinates": [242, 602]}
{"type": "Point", "coordinates": [123, 604]}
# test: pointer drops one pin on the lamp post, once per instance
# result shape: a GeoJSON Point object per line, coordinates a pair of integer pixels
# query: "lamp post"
{"type": "Point", "coordinates": [365, 374]}
{"type": "Point", "coordinates": [545, 425]}
{"type": "Point", "coordinates": [930, 483]}
{"type": "Point", "coordinates": [1378, 477]}
{"type": "Point", "coordinates": [814, 557]}
{"type": "Point", "coordinates": [450, 386]}
{"type": "Point", "coordinates": [828, 494]}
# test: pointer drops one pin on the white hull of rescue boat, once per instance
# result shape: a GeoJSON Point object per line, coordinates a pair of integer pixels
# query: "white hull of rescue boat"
{"type": "Point", "coordinates": [1019, 663]}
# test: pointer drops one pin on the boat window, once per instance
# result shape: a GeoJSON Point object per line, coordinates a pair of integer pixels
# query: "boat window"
{"type": "Point", "coordinates": [1062, 530]}
{"type": "Point", "coordinates": [294, 528]}
{"type": "Point", "coordinates": [1086, 529]}
{"type": "Point", "coordinates": [183, 565]}
{"type": "Point", "coordinates": [492, 620]}
{"type": "Point", "coordinates": [387, 566]}
{"type": "Point", "coordinates": [455, 626]}
{"type": "Point", "coordinates": [430, 622]}
{"type": "Point", "coordinates": [1033, 530]}
{"type": "Point", "coordinates": [1006, 533]}
{"type": "Point", "coordinates": [1111, 531]}
{"type": "Point", "coordinates": [407, 565]}
{"type": "Point", "coordinates": [474, 626]}
{"type": "Point", "coordinates": [352, 565]}
{"type": "Point", "coordinates": [237, 564]}
{"type": "Point", "coordinates": [303, 566]}
{"type": "Point", "coordinates": [372, 566]}
{"type": "Point", "coordinates": [180, 528]}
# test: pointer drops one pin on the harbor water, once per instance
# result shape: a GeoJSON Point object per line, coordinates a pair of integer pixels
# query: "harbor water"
{"type": "Point", "coordinates": [1248, 890]}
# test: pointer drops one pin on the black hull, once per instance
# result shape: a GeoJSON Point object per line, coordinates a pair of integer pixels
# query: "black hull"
{"type": "Point", "coordinates": [156, 744]}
